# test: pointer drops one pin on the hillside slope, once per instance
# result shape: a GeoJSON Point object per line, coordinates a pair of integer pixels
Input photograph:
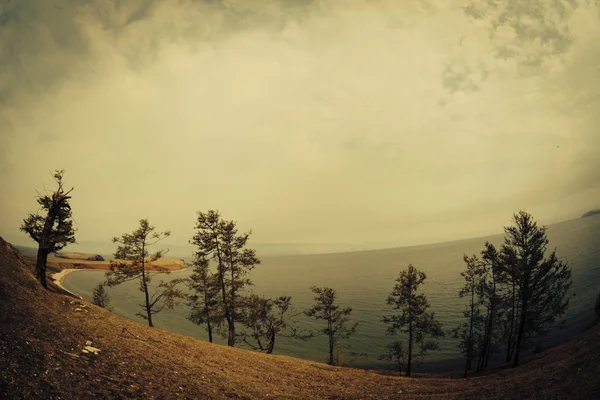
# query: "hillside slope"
{"type": "Point", "coordinates": [42, 335]}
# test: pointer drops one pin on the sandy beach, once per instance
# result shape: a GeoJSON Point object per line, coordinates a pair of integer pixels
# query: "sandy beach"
{"type": "Point", "coordinates": [69, 264]}
{"type": "Point", "coordinates": [59, 277]}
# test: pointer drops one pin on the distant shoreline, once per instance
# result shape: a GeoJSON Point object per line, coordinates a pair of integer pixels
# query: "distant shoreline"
{"type": "Point", "coordinates": [59, 277]}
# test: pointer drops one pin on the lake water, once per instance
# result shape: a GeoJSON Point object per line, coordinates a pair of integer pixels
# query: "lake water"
{"type": "Point", "coordinates": [363, 281]}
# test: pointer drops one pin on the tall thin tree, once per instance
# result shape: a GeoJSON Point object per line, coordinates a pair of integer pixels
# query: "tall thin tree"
{"type": "Point", "coordinates": [469, 332]}
{"type": "Point", "coordinates": [218, 240]}
{"type": "Point", "coordinates": [335, 317]}
{"type": "Point", "coordinates": [132, 260]}
{"type": "Point", "coordinates": [508, 279]}
{"type": "Point", "coordinates": [204, 300]}
{"type": "Point", "coordinates": [543, 282]}
{"type": "Point", "coordinates": [490, 271]}
{"type": "Point", "coordinates": [413, 318]}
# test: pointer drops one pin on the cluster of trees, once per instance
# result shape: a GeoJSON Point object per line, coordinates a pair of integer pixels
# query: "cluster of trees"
{"type": "Point", "coordinates": [219, 299]}
{"type": "Point", "coordinates": [514, 293]}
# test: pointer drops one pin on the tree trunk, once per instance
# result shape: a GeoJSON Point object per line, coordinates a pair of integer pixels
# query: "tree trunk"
{"type": "Point", "coordinates": [226, 306]}
{"type": "Point", "coordinates": [521, 326]}
{"type": "Point", "coordinates": [331, 343]}
{"type": "Point", "coordinates": [491, 324]}
{"type": "Point", "coordinates": [271, 343]}
{"type": "Point", "coordinates": [209, 329]}
{"type": "Point", "coordinates": [231, 338]}
{"type": "Point", "coordinates": [331, 351]}
{"type": "Point", "coordinates": [470, 342]}
{"type": "Point", "coordinates": [509, 346]}
{"type": "Point", "coordinates": [410, 344]}
{"type": "Point", "coordinates": [231, 335]}
{"type": "Point", "coordinates": [44, 245]}
{"type": "Point", "coordinates": [483, 349]}
{"type": "Point", "coordinates": [148, 308]}
{"type": "Point", "coordinates": [207, 315]}
{"type": "Point", "coordinates": [489, 339]}
{"type": "Point", "coordinates": [40, 266]}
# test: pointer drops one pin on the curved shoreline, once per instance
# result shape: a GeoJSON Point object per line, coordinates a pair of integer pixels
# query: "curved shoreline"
{"type": "Point", "coordinates": [59, 277]}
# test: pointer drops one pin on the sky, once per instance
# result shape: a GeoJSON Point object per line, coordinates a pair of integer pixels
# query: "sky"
{"type": "Point", "coordinates": [378, 123]}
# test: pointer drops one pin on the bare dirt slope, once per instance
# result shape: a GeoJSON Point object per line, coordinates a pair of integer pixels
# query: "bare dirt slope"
{"type": "Point", "coordinates": [42, 335]}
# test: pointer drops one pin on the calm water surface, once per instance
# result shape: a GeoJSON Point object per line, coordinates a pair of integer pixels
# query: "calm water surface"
{"type": "Point", "coordinates": [364, 280]}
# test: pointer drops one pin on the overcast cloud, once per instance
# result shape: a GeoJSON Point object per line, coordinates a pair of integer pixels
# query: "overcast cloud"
{"type": "Point", "coordinates": [381, 122]}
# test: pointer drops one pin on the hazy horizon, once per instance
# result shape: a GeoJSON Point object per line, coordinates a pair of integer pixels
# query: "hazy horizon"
{"type": "Point", "coordinates": [362, 123]}
{"type": "Point", "coordinates": [107, 248]}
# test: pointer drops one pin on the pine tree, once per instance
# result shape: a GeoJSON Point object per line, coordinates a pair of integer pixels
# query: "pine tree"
{"type": "Point", "coordinates": [334, 316]}
{"type": "Point", "coordinates": [470, 333]}
{"type": "Point", "coordinates": [218, 240]}
{"type": "Point", "coordinates": [204, 300]}
{"type": "Point", "coordinates": [489, 294]}
{"type": "Point", "coordinates": [266, 319]}
{"type": "Point", "coordinates": [508, 280]}
{"type": "Point", "coordinates": [54, 230]}
{"type": "Point", "coordinates": [543, 282]}
{"type": "Point", "coordinates": [413, 318]}
{"type": "Point", "coordinates": [101, 298]}
{"type": "Point", "coordinates": [131, 263]}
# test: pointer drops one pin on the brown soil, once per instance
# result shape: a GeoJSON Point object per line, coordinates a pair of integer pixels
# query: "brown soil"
{"type": "Point", "coordinates": [42, 335]}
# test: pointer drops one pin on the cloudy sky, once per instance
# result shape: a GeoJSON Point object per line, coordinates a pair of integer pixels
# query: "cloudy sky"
{"type": "Point", "coordinates": [325, 121]}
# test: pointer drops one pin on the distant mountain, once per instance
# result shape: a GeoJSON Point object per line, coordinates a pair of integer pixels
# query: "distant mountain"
{"type": "Point", "coordinates": [591, 212]}
{"type": "Point", "coordinates": [27, 250]}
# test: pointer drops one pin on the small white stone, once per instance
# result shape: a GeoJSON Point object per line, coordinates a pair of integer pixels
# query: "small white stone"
{"type": "Point", "coordinates": [92, 349]}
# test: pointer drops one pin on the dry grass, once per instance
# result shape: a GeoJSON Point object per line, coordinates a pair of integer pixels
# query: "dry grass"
{"type": "Point", "coordinates": [42, 335]}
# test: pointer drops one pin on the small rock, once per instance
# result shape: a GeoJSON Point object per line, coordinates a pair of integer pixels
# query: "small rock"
{"type": "Point", "coordinates": [88, 342]}
{"type": "Point", "coordinates": [92, 350]}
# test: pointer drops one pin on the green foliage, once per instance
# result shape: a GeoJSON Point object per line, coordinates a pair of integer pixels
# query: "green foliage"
{"type": "Point", "coordinates": [204, 301]}
{"type": "Point", "coordinates": [131, 259]}
{"type": "Point", "coordinates": [412, 316]}
{"type": "Point", "coordinates": [101, 298]}
{"type": "Point", "coordinates": [266, 319]}
{"type": "Point", "coordinates": [335, 317]}
{"type": "Point", "coordinates": [471, 332]}
{"type": "Point", "coordinates": [395, 354]}
{"type": "Point", "coordinates": [218, 240]}
{"type": "Point", "coordinates": [543, 282]}
{"type": "Point", "coordinates": [477, 334]}
{"type": "Point", "coordinates": [53, 229]}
